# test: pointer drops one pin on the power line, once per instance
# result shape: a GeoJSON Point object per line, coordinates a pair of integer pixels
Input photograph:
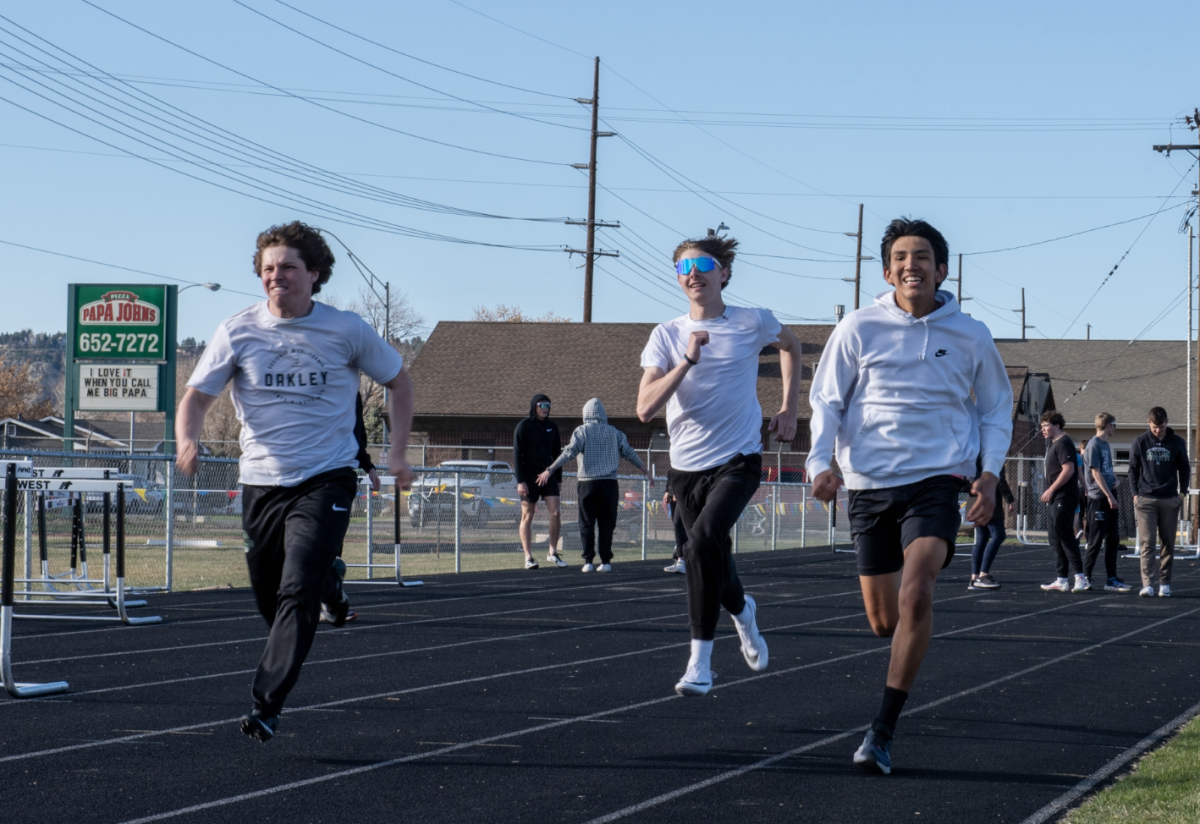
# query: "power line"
{"type": "Point", "coordinates": [1084, 232]}
{"type": "Point", "coordinates": [519, 31]}
{"type": "Point", "coordinates": [123, 268]}
{"type": "Point", "coordinates": [316, 103]}
{"type": "Point", "coordinates": [391, 73]}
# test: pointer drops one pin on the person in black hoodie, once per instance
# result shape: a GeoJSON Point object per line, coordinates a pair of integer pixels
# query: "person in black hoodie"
{"type": "Point", "coordinates": [1158, 470]}
{"type": "Point", "coordinates": [536, 443]}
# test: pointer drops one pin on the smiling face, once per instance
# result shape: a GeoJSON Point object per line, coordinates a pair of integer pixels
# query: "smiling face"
{"type": "Point", "coordinates": [914, 274]}
{"type": "Point", "coordinates": [702, 288]}
{"type": "Point", "coordinates": [287, 282]}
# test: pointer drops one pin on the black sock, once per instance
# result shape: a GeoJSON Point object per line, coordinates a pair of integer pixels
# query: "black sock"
{"type": "Point", "coordinates": [889, 711]}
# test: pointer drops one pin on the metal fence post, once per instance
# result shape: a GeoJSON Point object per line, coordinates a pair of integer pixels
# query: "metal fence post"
{"type": "Point", "coordinates": [645, 510]}
{"type": "Point", "coordinates": [774, 514]}
{"type": "Point", "coordinates": [735, 534]}
{"type": "Point", "coordinates": [457, 520]}
{"type": "Point", "coordinates": [803, 515]}
{"type": "Point", "coordinates": [170, 536]}
{"type": "Point", "coordinates": [28, 542]}
{"type": "Point", "coordinates": [371, 533]}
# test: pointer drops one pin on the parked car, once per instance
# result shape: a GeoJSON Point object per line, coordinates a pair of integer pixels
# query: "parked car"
{"type": "Point", "coordinates": [488, 492]}
{"type": "Point", "coordinates": [142, 496]}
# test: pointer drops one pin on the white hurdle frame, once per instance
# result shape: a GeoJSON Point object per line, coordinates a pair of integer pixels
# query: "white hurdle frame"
{"type": "Point", "coordinates": [115, 598]}
{"type": "Point", "coordinates": [387, 480]}
{"type": "Point", "coordinates": [7, 573]}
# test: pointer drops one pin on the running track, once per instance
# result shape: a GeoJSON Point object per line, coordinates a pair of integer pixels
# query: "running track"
{"type": "Point", "coordinates": [547, 696]}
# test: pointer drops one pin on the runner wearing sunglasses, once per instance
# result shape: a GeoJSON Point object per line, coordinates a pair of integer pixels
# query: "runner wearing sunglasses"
{"type": "Point", "coordinates": [703, 368]}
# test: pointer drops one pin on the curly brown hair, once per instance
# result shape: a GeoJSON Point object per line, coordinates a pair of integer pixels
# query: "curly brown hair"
{"type": "Point", "coordinates": [307, 241]}
{"type": "Point", "coordinates": [722, 249]}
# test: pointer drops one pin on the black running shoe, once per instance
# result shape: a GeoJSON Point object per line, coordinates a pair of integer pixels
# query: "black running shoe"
{"type": "Point", "coordinates": [259, 727]}
{"type": "Point", "coordinates": [875, 753]}
{"type": "Point", "coordinates": [339, 614]}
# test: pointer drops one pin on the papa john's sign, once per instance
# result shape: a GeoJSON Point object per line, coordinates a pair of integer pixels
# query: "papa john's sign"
{"type": "Point", "coordinates": [119, 322]}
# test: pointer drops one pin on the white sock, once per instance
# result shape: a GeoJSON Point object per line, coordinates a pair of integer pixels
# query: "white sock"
{"type": "Point", "coordinates": [1064, 580]}
{"type": "Point", "coordinates": [701, 655]}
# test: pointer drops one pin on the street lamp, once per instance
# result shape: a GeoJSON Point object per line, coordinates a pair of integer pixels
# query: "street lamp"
{"type": "Point", "coordinates": [210, 286]}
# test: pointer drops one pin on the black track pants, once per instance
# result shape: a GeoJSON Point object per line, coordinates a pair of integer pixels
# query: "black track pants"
{"type": "Point", "coordinates": [1102, 531]}
{"type": "Point", "coordinates": [709, 503]}
{"type": "Point", "coordinates": [293, 534]}
{"type": "Point", "coordinates": [598, 505]}
{"type": "Point", "coordinates": [1061, 534]}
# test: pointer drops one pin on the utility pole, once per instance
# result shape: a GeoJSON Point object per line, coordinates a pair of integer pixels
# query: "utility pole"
{"type": "Point", "coordinates": [859, 257]}
{"type": "Point", "coordinates": [591, 253]}
{"type": "Point", "coordinates": [1022, 311]}
{"type": "Point", "coordinates": [1089, 331]}
{"type": "Point", "coordinates": [960, 278]}
{"type": "Point", "coordinates": [1193, 123]}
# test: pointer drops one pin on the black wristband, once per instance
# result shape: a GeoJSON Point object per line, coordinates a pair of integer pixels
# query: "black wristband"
{"type": "Point", "coordinates": [689, 360]}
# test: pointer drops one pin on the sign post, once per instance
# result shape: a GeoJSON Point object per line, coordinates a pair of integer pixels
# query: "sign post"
{"type": "Point", "coordinates": [120, 352]}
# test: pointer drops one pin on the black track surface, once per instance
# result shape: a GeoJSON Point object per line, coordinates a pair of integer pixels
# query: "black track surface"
{"type": "Point", "coordinates": [548, 696]}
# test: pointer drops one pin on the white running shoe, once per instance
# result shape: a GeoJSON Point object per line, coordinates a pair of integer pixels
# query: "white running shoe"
{"type": "Point", "coordinates": [1164, 591]}
{"type": "Point", "coordinates": [1082, 584]}
{"type": "Point", "coordinates": [556, 559]}
{"type": "Point", "coordinates": [695, 682]}
{"type": "Point", "coordinates": [589, 567]}
{"type": "Point", "coordinates": [604, 568]}
{"type": "Point", "coordinates": [754, 646]}
{"type": "Point", "coordinates": [675, 566]}
{"type": "Point", "coordinates": [530, 563]}
{"type": "Point", "coordinates": [1057, 585]}
{"type": "Point", "coordinates": [1146, 592]}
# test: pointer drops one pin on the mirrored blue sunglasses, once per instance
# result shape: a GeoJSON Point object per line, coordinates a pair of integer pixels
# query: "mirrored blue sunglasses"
{"type": "Point", "coordinates": [702, 264]}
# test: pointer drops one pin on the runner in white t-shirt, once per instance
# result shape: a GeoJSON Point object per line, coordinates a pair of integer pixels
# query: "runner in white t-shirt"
{"type": "Point", "coordinates": [295, 365]}
{"type": "Point", "coordinates": [703, 367]}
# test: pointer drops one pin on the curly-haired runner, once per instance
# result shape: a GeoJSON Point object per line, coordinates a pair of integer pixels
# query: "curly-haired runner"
{"type": "Point", "coordinates": [295, 365]}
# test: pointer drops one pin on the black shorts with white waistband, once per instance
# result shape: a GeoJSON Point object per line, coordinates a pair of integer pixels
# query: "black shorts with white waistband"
{"type": "Point", "coordinates": [883, 522]}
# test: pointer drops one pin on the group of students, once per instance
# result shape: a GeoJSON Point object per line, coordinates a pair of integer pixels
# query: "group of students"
{"type": "Point", "coordinates": [895, 379]}
{"type": "Point", "coordinates": [1159, 470]}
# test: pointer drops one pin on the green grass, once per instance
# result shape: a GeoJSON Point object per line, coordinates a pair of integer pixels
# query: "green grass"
{"type": "Point", "coordinates": [1164, 787]}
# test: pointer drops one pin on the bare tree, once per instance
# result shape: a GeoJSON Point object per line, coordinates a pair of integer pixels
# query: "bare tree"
{"type": "Point", "coordinates": [513, 314]}
{"type": "Point", "coordinates": [21, 390]}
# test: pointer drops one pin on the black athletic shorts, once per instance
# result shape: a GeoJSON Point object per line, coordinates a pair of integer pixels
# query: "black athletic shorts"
{"type": "Point", "coordinates": [537, 492]}
{"type": "Point", "coordinates": [885, 521]}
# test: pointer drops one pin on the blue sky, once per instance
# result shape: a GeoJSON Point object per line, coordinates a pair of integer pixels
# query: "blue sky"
{"type": "Point", "coordinates": [1004, 125]}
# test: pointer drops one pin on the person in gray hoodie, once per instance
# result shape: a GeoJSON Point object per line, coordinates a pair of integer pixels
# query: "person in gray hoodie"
{"type": "Point", "coordinates": [600, 448]}
{"type": "Point", "coordinates": [909, 392]}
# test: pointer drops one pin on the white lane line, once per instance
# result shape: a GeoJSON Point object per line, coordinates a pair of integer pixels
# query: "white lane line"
{"type": "Point", "coordinates": [360, 628]}
{"type": "Point", "coordinates": [409, 651]}
{"type": "Point", "coordinates": [1083, 787]}
{"type": "Point", "coordinates": [653, 802]}
{"type": "Point", "coordinates": [766, 762]}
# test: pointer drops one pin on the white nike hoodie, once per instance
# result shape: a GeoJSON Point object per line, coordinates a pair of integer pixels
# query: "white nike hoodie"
{"type": "Point", "coordinates": [892, 394]}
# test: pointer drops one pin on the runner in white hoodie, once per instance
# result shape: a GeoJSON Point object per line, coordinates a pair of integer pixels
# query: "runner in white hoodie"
{"type": "Point", "coordinates": [893, 394]}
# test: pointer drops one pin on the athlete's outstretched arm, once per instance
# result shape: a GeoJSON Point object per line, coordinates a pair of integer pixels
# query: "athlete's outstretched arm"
{"type": "Point", "coordinates": [784, 424]}
{"type": "Point", "coordinates": [658, 386]}
{"type": "Point", "coordinates": [400, 412]}
{"type": "Point", "coordinates": [189, 423]}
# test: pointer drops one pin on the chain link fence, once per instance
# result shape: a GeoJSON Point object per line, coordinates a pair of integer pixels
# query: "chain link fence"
{"type": "Point", "coordinates": [184, 533]}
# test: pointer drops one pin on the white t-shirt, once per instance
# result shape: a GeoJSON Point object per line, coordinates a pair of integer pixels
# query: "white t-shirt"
{"type": "Point", "coordinates": [294, 384]}
{"type": "Point", "coordinates": [715, 414]}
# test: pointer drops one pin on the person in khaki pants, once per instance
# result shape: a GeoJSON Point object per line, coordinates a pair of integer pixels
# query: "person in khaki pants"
{"type": "Point", "coordinates": [1158, 470]}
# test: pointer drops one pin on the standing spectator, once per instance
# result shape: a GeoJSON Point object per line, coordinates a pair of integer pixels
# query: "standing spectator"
{"type": "Point", "coordinates": [1080, 521]}
{"type": "Point", "coordinates": [536, 443]}
{"type": "Point", "coordinates": [1102, 520]}
{"type": "Point", "coordinates": [989, 538]}
{"type": "Point", "coordinates": [600, 448]}
{"type": "Point", "coordinates": [677, 564]}
{"type": "Point", "coordinates": [1063, 496]}
{"type": "Point", "coordinates": [1158, 470]}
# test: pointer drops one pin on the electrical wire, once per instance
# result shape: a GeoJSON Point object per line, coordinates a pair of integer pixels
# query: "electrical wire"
{"type": "Point", "coordinates": [1084, 232]}
{"type": "Point", "coordinates": [418, 59]}
{"type": "Point", "coordinates": [398, 76]}
{"type": "Point", "coordinates": [316, 103]}
{"type": "Point", "coordinates": [122, 268]}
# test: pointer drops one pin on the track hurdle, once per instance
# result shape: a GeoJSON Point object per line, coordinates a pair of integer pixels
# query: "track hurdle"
{"type": "Point", "coordinates": [114, 597]}
{"type": "Point", "coordinates": [395, 565]}
{"type": "Point", "coordinates": [7, 573]}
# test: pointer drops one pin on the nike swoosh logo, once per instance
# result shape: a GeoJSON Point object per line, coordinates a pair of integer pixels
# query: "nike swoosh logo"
{"type": "Point", "coordinates": [337, 508]}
